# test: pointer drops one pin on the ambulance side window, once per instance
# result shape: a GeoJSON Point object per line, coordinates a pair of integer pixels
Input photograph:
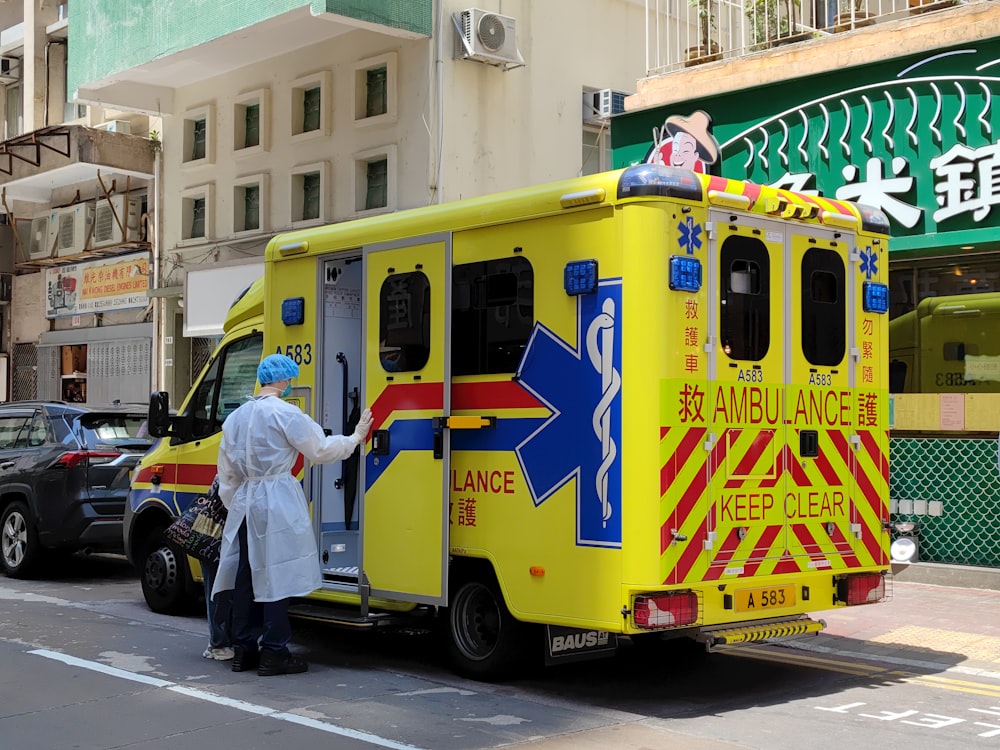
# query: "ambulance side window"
{"type": "Point", "coordinates": [493, 312]}
{"type": "Point", "coordinates": [745, 299]}
{"type": "Point", "coordinates": [228, 383]}
{"type": "Point", "coordinates": [405, 322]}
{"type": "Point", "coordinates": [824, 309]}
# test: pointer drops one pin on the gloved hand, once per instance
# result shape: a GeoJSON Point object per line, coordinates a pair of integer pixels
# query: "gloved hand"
{"type": "Point", "coordinates": [364, 425]}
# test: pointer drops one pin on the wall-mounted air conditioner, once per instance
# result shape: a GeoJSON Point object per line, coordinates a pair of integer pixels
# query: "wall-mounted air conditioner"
{"type": "Point", "coordinates": [69, 228]}
{"type": "Point", "coordinates": [600, 105]}
{"type": "Point", "coordinates": [38, 239]}
{"type": "Point", "coordinates": [114, 214]}
{"type": "Point", "coordinates": [10, 69]}
{"type": "Point", "coordinates": [487, 38]}
{"type": "Point", "coordinates": [115, 126]}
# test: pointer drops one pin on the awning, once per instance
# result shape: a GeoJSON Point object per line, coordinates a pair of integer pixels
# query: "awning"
{"type": "Point", "coordinates": [209, 293]}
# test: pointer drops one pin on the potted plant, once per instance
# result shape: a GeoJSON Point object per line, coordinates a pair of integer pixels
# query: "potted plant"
{"type": "Point", "coordinates": [774, 22]}
{"type": "Point", "coordinates": [707, 49]}
{"type": "Point", "coordinates": [852, 15]}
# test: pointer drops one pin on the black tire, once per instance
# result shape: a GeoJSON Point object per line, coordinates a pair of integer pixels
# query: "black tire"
{"type": "Point", "coordinates": [20, 551]}
{"type": "Point", "coordinates": [164, 574]}
{"type": "Point", "coordinates": [486, 642]}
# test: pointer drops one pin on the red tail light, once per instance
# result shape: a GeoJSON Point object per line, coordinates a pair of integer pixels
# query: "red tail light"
{"type": "Point", "coordinates": [667, 610]}
{"type": "Point", "coordinates": [72, 458]}
{"type": "Point", "coordinates": [861, 588]}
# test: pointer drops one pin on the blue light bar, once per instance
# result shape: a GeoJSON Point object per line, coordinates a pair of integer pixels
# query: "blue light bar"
{"type": "Point", "coordinates": [293, 311]}
{"type": "Point", "coordinates": [580, 277]}
{"type": "Point", "coordinates": [685, 273]}
{"type": "Point", "coordinates": [876, 297]}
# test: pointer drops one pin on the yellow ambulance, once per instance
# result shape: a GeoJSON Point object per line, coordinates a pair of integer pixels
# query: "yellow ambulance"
{"type": "Point", "coordinates": [646, 403]}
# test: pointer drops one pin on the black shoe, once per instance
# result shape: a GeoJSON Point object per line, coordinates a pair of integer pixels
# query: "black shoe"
{"type": "Point", "coordinates": [273, 664]}
{"type": "Point", "coordinates": [245, 660]}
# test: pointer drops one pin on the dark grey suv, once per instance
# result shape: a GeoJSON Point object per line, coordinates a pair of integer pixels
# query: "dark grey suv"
{"type": "Point", "coordinates": [64, 478]}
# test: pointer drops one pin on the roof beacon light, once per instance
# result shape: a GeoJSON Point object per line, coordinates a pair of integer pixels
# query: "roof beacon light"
{"type": "Point", "coordinates": [876, 297]}
{"type": "Point", "coordinates": [580, 277]}
{"type": "Point", "coordinates": [685, 273]}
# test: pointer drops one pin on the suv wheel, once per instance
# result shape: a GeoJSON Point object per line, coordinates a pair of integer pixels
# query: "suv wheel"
{"type": "Point", "coordinates": [19, 548]}
{"type": "Point", "coordinates": [164, 576]}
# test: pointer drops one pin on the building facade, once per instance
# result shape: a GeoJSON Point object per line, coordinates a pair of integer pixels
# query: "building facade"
{"type": "Point", "coordinates": [284, 114]}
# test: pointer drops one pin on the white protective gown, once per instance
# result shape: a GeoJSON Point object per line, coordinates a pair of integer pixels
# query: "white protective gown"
{"type": "Point", "coordinates": [260, 442]}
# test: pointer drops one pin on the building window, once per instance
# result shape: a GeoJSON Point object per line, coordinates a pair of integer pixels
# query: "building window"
{"type": "Point", "coordinates": [250, 204]}
{"type": "Point", "coordinates": [196, 214]}
{"type": "Point", "coordinates": [376, 195]}
{"type": "Point", "coordinates": [596, 151]}
{"type": "Point", "coordinates": [14, 117]}
{"type": "Point", "coordinates": [251, 114]}
{"type": "Point", "coordinates": [198, 136]}
{"type": "Point", "coordinates": [375, 187]}
{"type": "Point", "coordinates": [376, 99]}
{"type": "Point", "coordinates": [375, 90]}
{"type": "Point", "coordinates": [310, 105]}
{"type": "Point", "coordinates": [308, 193]}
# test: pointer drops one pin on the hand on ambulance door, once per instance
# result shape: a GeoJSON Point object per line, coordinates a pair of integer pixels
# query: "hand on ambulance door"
{"type": "Point", "coordinates": [364, 426]}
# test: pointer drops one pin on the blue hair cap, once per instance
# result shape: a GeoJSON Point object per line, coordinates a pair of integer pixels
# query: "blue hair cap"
{"type": "Point", "coordinates": [275, 367]}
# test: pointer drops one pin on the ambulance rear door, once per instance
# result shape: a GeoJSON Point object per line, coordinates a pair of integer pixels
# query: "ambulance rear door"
{"type": "Point", "coordinates": [407, 384]}
{"type": "Point", "coordinates": [747, 370]}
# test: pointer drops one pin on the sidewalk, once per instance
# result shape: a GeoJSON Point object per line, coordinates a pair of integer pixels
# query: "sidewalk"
{"type": "Point", "coordinates": [922, 626]}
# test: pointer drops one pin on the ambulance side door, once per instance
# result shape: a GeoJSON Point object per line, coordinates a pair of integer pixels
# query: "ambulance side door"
{"type": "Point", "coordinates": [407, 385]}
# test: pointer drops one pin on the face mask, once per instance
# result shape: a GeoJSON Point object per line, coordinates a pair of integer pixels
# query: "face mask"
{"type": "Point", "coordinates": [287, 392]}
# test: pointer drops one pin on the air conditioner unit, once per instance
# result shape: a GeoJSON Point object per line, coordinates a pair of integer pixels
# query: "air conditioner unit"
{"type": "Point", "coordinates": [69, 228]}
{"type": "Point", "coordinates": [111, 215]}
{"type": "Point", "coordinates": [38, 245]}
{"type": "Point", "coordinates": [486, 37]}
{"type": "Point", "coordinates": [10, 69]}
{"type": "Point", "coordinates": [600, 105]}
{"type": "Point", "coordinates": [115, 126]}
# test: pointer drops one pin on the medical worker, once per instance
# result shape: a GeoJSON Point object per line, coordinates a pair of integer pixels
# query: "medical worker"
{"type": "Point", "coordinates": [268, 545]}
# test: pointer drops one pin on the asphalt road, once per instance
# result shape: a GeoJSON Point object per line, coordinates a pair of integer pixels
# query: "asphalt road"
{"type": "Point", "coordinates": [86, 665]}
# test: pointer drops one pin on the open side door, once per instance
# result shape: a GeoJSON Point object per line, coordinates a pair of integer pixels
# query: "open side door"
{"type": "Point", "coordinates": [407, 384]}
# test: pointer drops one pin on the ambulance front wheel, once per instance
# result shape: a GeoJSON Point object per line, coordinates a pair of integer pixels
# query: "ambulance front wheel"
{"type": "Point", "coordinates": [487, 642]}
{"type": "Point", "coordinates": [164, 576]}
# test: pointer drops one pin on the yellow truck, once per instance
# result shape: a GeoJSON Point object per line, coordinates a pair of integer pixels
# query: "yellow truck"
{"type": "Point", "coordinates": [648, 403]}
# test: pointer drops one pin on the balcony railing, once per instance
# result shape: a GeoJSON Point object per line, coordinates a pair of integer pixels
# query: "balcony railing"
{"type": "Point", "coordinates": [682, 33]}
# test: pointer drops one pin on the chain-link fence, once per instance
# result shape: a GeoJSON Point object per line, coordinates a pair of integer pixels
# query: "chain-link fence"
{"type": "Point", "coordinates": [951, 488]}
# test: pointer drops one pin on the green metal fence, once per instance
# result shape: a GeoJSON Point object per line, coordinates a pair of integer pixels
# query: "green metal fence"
{"type": "Point", "coordinates": [961, 475]}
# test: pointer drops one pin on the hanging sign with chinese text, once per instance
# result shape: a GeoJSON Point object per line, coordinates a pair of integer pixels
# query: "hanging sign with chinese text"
{"type": "Point", "coordinates": [97, 286]}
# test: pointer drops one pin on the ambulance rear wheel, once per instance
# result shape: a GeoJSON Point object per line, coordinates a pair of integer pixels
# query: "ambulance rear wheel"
{"type": "Point", "coordinates": [486, 642]}
{"type": "Point", "coordinates": [164, 575]}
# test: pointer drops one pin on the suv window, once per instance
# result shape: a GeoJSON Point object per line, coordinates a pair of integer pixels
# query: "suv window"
{"type": "Point", "coordinates": [118, 431]}
{"type": "Point", "coordinates": [10, 428]}
{"type": "Point", "coordinates": [228, 383]}
{"type": "Point", "coordinates": [35, 434]}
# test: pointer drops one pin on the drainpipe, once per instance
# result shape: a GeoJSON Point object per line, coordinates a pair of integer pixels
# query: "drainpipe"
{"type": "Point", "coordinates": [159, 303]}
{"type": "Point", "coordinates": [439, 95]}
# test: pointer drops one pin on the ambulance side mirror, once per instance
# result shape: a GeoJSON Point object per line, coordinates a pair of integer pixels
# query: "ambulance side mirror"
{"type": "Point", "coordinates": [159, 414]}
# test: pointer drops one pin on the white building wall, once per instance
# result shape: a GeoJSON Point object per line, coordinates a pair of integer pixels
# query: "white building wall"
{"type": "Point", "coordinates": [28, 321]}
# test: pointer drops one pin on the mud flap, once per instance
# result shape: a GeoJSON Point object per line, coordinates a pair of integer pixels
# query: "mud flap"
{"type": "Point", "coordinates": [564, 645]}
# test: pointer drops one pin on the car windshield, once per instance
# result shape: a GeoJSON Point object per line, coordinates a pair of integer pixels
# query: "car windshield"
{"type": "Point", "coordinates": [117, 431]}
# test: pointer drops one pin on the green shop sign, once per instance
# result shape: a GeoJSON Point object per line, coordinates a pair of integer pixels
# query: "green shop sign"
{"type": "Point", "coordinates": [918, 137]}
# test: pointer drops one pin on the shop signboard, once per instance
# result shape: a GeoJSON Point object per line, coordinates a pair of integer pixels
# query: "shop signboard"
{"type": "Point", "coordinates": [917, 137]}
{"type": "Point", "coordinates": [97, 286]}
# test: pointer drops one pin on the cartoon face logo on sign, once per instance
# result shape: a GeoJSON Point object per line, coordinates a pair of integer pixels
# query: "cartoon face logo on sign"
{"type": "Point", "coordinates": [685, 142]}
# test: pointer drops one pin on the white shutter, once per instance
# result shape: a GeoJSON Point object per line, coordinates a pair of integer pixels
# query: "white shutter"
{"type": "Point", "coordinates": [119, 371]}
{"type": "Point", "coordinates": [48, 375]}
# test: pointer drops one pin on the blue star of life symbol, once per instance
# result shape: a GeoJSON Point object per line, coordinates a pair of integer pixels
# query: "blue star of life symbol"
{"type": "Point", "coordinates": [868, 261]}
{"type": "Point", "coordinates": [581, 387]}
{"type": "Point", "coordinates": [690, 235]}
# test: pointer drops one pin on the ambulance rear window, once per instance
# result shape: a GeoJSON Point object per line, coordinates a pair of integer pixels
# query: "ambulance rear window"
{"type": "Point", "coordinates": [824, 310]}
{"type": "Point", "coordinates": [745, 299]}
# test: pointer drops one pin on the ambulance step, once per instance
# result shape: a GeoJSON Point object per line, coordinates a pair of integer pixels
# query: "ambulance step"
{"type": "Point", "coordinates": [772, 630]}
{"type": "Point", "coordinates": [342, 616]}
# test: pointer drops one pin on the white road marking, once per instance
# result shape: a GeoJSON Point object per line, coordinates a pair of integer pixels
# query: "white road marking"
{"type": "Point", "coordinates": [204, 695]}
